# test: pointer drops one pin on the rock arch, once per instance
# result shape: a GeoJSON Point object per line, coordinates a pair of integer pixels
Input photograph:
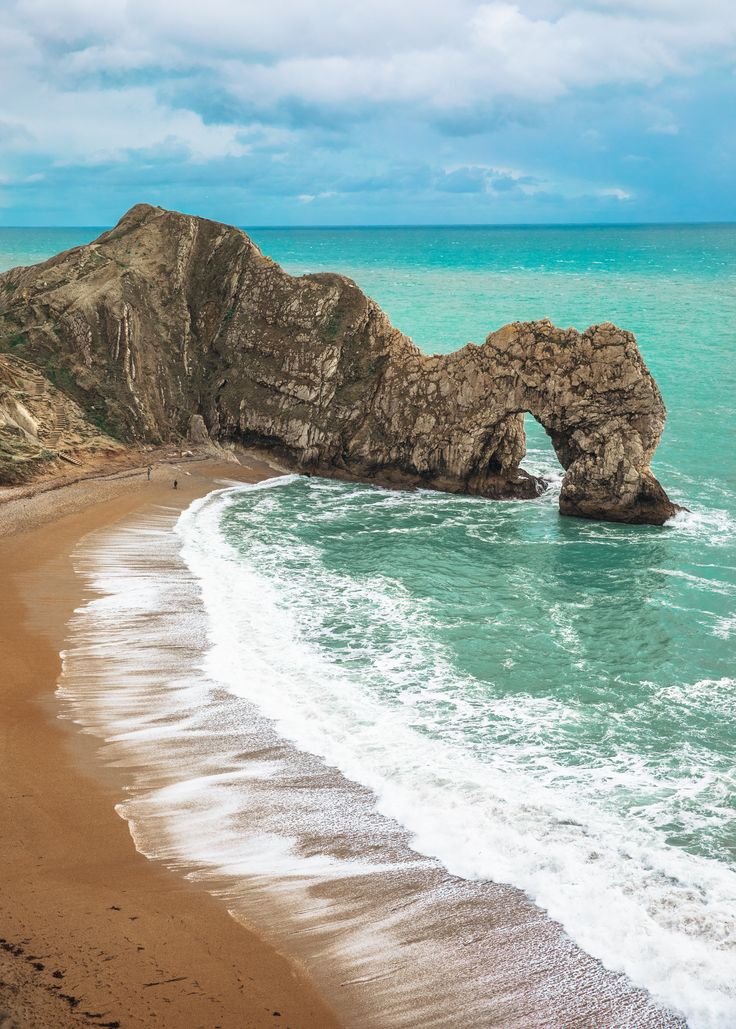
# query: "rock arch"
{"type": "Point", "coordinates": [310, 367]}
{"type": "Point", "coordinates": [591, 392]}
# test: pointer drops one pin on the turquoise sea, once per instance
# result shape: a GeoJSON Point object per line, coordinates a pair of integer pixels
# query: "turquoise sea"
{"type": "Point", "coordinates": [540, 701]}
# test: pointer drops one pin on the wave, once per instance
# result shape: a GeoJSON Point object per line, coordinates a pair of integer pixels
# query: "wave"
{"type": "Point", "coordinates": [712, 526]}
{"type": "Point", "coordinates": [664, 916]}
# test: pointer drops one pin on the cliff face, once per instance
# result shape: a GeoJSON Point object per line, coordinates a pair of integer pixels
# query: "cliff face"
{"type": "Point", "coordinates": [40, 424]}
{"type": "Point", "coordinates": [167, 317]}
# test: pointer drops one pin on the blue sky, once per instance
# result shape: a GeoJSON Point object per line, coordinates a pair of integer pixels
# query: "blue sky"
{"type": "Point", "coordinates": [374, 112]}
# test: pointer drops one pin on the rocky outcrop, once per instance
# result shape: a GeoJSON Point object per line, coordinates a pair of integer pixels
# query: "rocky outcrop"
{"type": "Point", "coordinates": [170, 324]}
{"type": "Point", "coordinates": [41, 426]}
{"type": "Point", "coordinates": [198, 430]}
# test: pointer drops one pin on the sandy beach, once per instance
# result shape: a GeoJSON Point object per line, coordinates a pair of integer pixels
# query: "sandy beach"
{"type": "Point", "coordinates": [341, 922]}
{"type": "Point", "coordinates": [92, 933]}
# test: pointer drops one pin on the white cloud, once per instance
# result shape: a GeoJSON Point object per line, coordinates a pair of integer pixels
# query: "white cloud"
{"type": "Point", "coordinates": [615, 193]}
{"type": "Point", "coordinates": [494, 49]}
{"type": "Point", "coordinates": [88, 80]}
{"type": "Point", "coordinates": [309, 198]}
{"type": "Point", "coordinates": [441, 53]}
{"type": "Point", "coordinates": [96, 125]}
{"type": "Point", "coordinates": [665, 126]}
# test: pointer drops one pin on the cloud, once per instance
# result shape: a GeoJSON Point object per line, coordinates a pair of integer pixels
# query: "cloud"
{"type": "Point", "coordinates": [615, 192]}
{"type": "Point", "coordinates": [309, 198]}
{"type": "Point", "coordinates": [494, 51]}
{"type": "Point", "coordinates": [439, 53]}
{"type": "Point", "coordinates": [485, 178]}
{"type": "Point", "coordinates": [663, 122]}
{"type": "Point", "coordinates": [441, 97]}
{"type": "Point", "coordinates": [95, 125]}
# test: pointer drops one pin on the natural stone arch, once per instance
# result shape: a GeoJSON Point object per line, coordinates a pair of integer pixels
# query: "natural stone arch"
{"type": "Point", "coordinates": [166, 317]}
{"type": "Point", "coordinates": [590, 391]}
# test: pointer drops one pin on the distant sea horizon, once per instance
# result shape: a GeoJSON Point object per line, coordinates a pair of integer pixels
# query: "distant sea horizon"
{"type": "Point", "coordinates": [398, 225]}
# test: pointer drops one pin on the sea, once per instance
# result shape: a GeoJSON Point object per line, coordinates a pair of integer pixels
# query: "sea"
{"type": "Point", "coordinates": [481, 693]}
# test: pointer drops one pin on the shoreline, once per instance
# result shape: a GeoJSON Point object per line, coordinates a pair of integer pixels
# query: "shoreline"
{"type": "Point", "coordinates": [174, 947]}
{"type": "Point", "coordinates": [214, 789]}
{"type": "Point", "coordinates": [91, 931]}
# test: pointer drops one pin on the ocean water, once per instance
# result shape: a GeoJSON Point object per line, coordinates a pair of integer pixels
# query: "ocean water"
{"type": "Point", "coordinates": [535, 701]}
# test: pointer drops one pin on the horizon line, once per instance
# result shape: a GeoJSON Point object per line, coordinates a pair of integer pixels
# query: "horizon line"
{"type": "Point", "coordinates": [425, 225]}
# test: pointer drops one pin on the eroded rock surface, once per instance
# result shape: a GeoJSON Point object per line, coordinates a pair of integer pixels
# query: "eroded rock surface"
{"type": "Point", "coordinates": [170, 324]}
{"type": "Point", "coordinates": [41, 428]}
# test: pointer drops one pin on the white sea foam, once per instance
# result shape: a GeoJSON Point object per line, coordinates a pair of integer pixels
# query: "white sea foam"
{"type": "Point", "coordinates": [713, 526]}
{"type": "Point", "coordinates": [725, 626]}
{"type": "Point", "coordinates": [214, 792]}
{"type": "Point", "coordinates": [543, 462]}
{"type": "Point", "coordinates": [401, 724]}
{"type": "Point", "coordinates": [665, 917]}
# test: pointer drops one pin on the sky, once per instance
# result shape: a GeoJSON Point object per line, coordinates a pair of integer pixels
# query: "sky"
{"type": "Point", "coordinates": [330, 112]}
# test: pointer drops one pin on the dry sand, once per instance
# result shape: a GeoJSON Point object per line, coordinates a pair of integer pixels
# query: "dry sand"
{"type": "Point", "coordinates": [92, 933]}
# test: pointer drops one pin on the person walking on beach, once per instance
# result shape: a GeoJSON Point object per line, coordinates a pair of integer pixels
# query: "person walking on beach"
{"type": "Point", "coordinates": [176, 483]}
{"type": "Point", "coordinates": [149, 472]}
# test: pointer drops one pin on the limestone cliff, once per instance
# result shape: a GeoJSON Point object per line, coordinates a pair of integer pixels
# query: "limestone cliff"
{"type": "Point", "coordinates": [41, 428]}
{"type": "Point", "coordinates": [166, 317]}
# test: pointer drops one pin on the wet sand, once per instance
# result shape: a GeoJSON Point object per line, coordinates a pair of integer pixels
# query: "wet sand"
{"type": "Point", "coordinates": [91, 932]}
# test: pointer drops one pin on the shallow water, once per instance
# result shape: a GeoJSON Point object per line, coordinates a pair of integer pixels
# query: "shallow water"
{"type": "Point", "coordinates": [154, 667]}
{"type": "Point", "coordinates": [540, 702]}
{"type": "Point", "coordinates": [536, 701]}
